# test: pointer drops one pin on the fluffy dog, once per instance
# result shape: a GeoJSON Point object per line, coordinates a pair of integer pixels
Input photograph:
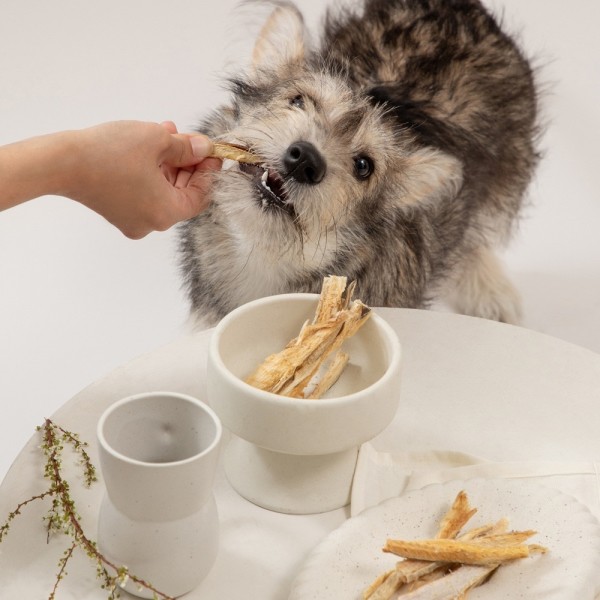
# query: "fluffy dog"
{"type": "Point", "coordinates": [397, 153]}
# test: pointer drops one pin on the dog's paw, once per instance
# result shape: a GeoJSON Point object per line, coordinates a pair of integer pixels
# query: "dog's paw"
{"type": "Point", "coordinates": [502, 305]}
{"type": "Point", "coordinates": [483, 290]}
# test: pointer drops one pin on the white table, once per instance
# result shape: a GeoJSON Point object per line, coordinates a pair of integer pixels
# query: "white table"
{"type": "Point", "coordinates": [495, 391]}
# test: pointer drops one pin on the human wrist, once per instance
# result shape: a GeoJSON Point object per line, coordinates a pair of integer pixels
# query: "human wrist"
{"type": "Point", "coordinates": [35, 167]}
{"type": "Point", "coordinates": [70, 170]}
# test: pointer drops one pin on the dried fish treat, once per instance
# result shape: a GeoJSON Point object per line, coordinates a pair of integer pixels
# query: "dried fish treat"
{"type": "Point", "coordinates": [235, 152]}
{"type": "Point", "coordinates": [454, 551]}
{"type": "Point", "coordinates": [295, 371]}
{"type": "Point", "coordinates": [450, 565]}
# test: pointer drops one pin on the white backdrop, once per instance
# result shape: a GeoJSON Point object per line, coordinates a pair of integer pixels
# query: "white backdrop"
{"type": "Point", "coordinates": [77, 299]}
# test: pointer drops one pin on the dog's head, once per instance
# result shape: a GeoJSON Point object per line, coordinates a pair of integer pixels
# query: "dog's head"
{"type": "Point", "coordinates": [335, 157]}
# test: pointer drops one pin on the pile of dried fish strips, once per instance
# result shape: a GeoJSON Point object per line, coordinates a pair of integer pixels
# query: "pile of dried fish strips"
{"type": "Point", "coordinates": [296, 370]}
{"type": "Point", "coordinates": [447, 567]}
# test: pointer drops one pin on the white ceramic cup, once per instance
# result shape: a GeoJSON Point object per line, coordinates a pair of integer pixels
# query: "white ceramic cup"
{"type": "Point", "coordinates": [158, 456]}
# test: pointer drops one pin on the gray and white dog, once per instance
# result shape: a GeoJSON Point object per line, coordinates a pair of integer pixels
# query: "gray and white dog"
{"type": "Point", "coordinates": [397, 153]}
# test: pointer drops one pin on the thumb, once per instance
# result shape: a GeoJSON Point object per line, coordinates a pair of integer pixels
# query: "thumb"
{"type": "Point", "coordinates": [187, 150]}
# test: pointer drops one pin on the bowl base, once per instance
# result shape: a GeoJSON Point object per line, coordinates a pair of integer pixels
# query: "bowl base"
{"type": "Point", "coordinates": [289, 483]}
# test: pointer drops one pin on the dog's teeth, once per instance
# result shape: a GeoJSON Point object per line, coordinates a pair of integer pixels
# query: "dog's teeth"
{"type": "Point", "coordinates": [263, 180]}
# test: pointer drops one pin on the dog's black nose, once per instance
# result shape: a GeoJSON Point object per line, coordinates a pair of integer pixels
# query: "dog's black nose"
{"type": "Point", "coordinates": [304, 163]}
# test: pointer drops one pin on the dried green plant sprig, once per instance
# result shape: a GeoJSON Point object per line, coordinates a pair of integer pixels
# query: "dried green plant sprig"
{"type": "Point", "coordinates": [63, 518]}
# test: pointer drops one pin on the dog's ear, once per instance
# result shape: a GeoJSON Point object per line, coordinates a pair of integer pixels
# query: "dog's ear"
{"type": "Point", "coordinates": [281, 39]}
{"type": "Point", "coordinates": [430, 176]}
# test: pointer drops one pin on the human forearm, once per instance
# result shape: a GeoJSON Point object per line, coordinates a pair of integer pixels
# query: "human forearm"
{"type": "Point", "coordinates": [141, 177]}
{"type": "Point", "coordinates": [35, 167]}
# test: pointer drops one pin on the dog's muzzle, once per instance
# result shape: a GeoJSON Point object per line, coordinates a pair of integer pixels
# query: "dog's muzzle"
{"type": "Point", "coordinates": [301, 162]}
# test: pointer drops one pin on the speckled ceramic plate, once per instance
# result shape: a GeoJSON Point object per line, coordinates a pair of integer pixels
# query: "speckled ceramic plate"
{"type": "Point", "coordinates": [350, 558]}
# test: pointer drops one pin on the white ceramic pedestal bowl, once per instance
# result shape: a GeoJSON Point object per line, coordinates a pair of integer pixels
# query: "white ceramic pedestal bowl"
{"type": "Point", "coordinates": [291, 455]}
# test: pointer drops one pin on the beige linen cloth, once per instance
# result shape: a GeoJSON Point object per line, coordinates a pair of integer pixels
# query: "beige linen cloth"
{"type": "Point", "coordinates": [382, 475]}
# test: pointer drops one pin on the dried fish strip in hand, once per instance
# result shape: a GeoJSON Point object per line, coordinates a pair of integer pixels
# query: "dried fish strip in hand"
{"type": "Point", "coordinates": [235, 152]}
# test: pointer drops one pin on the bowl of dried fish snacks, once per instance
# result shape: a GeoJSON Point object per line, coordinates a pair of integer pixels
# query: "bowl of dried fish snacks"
{"type": "Point", "coordinates": [301, 380]}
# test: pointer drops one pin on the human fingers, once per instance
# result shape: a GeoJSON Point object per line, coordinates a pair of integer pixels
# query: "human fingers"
{"type": "Point", "coordinates": [169, 126]}
{"type": "Point", "coordinates": [183, 177]}
{"type": "Point", "coordinates": [186, 150]}
{"type": "Point", "coordinates": [193, 188]}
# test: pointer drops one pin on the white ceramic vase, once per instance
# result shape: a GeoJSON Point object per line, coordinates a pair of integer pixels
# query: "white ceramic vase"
{"type": "Point", "coordinates": [158, 455]}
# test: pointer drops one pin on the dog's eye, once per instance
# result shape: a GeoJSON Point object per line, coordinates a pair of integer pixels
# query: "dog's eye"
{"type": "Point", "coordinates": [363, 167]}
{"type": "Point", "coordinates": [297, 101]}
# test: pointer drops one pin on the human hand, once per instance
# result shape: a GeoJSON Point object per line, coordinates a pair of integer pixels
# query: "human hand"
{"type": "Point", "coordinates": [141, 177]}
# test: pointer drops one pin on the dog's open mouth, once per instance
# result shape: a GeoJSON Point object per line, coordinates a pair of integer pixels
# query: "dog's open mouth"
{"type": "Point", "coordinates": [269, 187]}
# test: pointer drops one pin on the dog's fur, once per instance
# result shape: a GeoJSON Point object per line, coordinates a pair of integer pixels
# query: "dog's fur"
{"type": "Point", "coordinates": [431, 95]}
